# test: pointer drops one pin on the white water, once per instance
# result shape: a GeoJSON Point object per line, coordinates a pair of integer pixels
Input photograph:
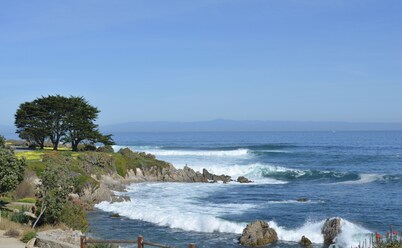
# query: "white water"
{"type": "Point", "coordinates": [198, 153]}
{"type": "Point", "coordinates": [179, 205]}
{"type": "Point", "coordinates": [350, 235]}
{"type": "Point", "coordinates": [364, 178]}
{"type": "Point", "coordinates": [176, 205]}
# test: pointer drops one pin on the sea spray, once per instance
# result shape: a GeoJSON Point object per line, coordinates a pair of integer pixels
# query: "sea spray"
{"type": "Point", "coordinates": [176, 205]}
{"type": "Point", "coordinates": [349, 236]}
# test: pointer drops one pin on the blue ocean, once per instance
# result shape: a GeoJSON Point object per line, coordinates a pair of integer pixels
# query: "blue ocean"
{"type": "Point", "coordinates": [356, 176]}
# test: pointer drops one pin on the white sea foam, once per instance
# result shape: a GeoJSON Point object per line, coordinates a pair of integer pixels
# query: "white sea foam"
{"type": "Point", "coordinates": [312, 230]}
{"type": "Point", "coordinates": [364, 178]}
{"type": "Point", "coordinates": [350, 235]}
{"type": "Point", "coordinates": [295, 202]}
{"type": "Point", "coordinates": [179, 205]}
{"type": "Point", "coordinates": [175, 205]}
{"type": "Point", "coordinates": [254, 172]}
{"type": "Point", "coordinates": [204, 153]}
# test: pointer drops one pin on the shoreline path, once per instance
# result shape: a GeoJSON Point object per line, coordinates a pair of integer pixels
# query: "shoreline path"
{"type": "Point", "coordinates": [10, 242]}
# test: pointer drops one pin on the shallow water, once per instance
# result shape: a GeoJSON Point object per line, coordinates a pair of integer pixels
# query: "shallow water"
{"type": "Point", "coordinates": [354, 175]}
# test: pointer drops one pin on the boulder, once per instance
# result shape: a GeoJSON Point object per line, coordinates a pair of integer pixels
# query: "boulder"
{"type": "Point", "coordinates": [305, 242]}
{"type": "Point", "coordinates": [302, 199]}
{"type": "Point", "coordinates": [258, 233]}
{"type": "Point", "coordinates": [31, 243]}
{"type": "Point", "coordinates": [30, 215]}
{"type": "Point", "coordinates": [242, 179]}
{"type": "Point", "coordinates": [58, 238]}
{"type": "Point", "coordinates": [331, 229]}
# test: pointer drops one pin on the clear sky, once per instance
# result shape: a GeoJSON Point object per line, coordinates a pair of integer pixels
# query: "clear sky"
{"type": "Point", "coordinates": [305, 60]}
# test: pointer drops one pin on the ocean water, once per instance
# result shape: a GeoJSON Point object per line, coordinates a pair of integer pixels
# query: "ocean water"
{"type": "Point", "coordinates": [353, 175]}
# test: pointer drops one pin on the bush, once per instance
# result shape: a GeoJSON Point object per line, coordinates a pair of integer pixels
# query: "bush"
{"type": "Point", "coordinates": [74, 216]}
{"type": "Point", "coordinates": [86, 147]}
{"type": "Point", "coordinates": [57, 183]}
{"type": "Point", "coordinates": [106, 149]}
{"type": "Point", "coordinates": [28, 236]}
{"type": "Point", "coordinates": [13, 233]}
{"type": "Point", "coordinates": [24, 190]}
{"type": "Point", "coordinates": [20, 217]}
{"type": "Point", "coordinates": [4, 214]}
{"type": "Point", "coordinates": [11, 170]}
{"type": "Point", "coordinates": [2, 141]}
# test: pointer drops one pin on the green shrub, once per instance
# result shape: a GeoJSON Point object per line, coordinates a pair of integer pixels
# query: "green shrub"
{"type": "Point", "coordinates": [4, 214]}
{"type": "Point", "coordinates": [28, 236]}
{"type": "Point", "coordinates": [20, 217]}
{"type": "Point", "coordinates": [25, 190]}
{"type": "Point", "coordinates": [106, 149]}
{"type": "Point", "coordinates": [2, 141]}
{"type": "Point", "coordinates": [57, 183]}
{"type": "Point", "coordinates": [37, 166]}
{"type": "Point", "coordinates": [74, 216]}
{"type": "Point", "coordinates": [11, 170]}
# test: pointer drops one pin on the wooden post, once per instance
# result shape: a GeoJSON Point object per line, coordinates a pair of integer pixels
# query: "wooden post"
{"type": "Point", "coordinates": [140, 239]}
{"type": "Point", "coordinates": [83, 242]}
{"type": "Point", "coordinates": [192, 245]}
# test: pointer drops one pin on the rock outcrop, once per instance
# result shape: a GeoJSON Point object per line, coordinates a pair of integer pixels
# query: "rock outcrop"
{"type": "Point", "coordinates": [114, 182]}
{"type": "Point", "coordinates": [171, 174]}
{"type": "Point", "coordinates": [242, 179]}
{"type": "Point", "coordinates": [305, 242]}
{"type": "Point", "coordinates": [302, 199]}
{"type": "Point", "coordinates": [215, 178]}
{"type": "Point", "coordinates": [258, 233]}
{"type": "Point", "coordinates": [331, 229]}
{"type": "Point", "coordinates": [58, 239]}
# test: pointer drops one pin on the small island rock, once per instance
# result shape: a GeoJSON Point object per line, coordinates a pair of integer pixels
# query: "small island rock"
{"type": "Point", "coordinates": [302, 199]}
{"type": "Point", "coordinates": [305, 242]}
{"type": "Point", "coordinates": [242, 179]}
{"type": "Point", "coordinates": [331, 229]}
{"type": "Point", "coordinates": [258, 233]}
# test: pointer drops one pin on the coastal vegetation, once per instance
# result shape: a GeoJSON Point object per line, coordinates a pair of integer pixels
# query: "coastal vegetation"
{"type": "Point", "coordinates": [58, 179]}
{"type": "Point", "coordinates": [65, 178]}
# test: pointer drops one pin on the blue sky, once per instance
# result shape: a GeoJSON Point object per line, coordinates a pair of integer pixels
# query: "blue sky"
{"type": "Point", "coordinates": [301, 60]}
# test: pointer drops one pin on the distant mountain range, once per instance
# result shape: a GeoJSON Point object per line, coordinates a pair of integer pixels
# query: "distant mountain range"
{"type": "Point", "coordinates": [257, 126]}
{"type": "Point", "coordinates": [233, 126]}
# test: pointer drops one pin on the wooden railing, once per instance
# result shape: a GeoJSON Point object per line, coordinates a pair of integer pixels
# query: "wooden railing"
{"type": "Point", "coordinates": [140, 242]}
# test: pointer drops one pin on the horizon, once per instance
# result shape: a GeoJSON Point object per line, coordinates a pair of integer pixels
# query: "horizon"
{"type": "Point", "coordinates": [186, 61]}
{"type": "Point", "coordinates": [233, 126]}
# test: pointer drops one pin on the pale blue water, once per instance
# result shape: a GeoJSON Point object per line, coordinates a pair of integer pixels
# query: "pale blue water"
{"type": "Point", "coordinates": [354, 175]}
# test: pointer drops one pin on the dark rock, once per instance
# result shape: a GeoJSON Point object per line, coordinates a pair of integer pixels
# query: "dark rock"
{"type": "Point", "coordinates": [331, 229]}
{"type": "Point", "coordinates": [302, 200]}
{"type": "Point", "coordinates": [258, 233]}
{"type": "Point", "coordinates": [243, 180]}
{"type": "Point", "coordinates": [118, 216]}
{"type": "Point", "coordinates": [306, 242]}
{"type": "Point", "coordinates": [212, 177]}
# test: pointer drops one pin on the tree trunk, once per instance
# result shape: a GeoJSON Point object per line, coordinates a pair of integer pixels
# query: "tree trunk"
{"type": "Point", "coordinates": [40, 215]}
{"type": "Point", "coordinates": [74, 145]}
{"type": "Point", "coordinates": [56, 142]}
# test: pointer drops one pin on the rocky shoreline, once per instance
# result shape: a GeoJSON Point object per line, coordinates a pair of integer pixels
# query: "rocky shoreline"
{"type": "Point", "coordinates": [114, 182]}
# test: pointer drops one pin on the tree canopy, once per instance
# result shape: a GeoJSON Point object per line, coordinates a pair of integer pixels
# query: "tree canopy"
{"type": "Point", "coordinates": [59, 119]}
